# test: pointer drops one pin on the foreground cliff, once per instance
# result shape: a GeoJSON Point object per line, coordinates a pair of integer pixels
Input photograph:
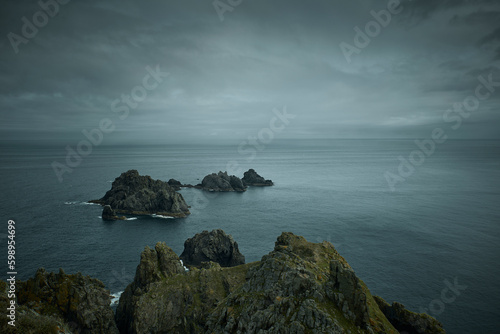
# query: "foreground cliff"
{"type": "Point", "coordinates": [135, 194]}
{"type": "Point", "coordinates": [59, 303]}
{"type": "Point", "coordinates": [299, 287]}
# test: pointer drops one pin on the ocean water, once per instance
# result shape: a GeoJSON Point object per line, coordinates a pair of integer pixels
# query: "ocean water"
{"type": "Point", "coordinates": [439, 228]}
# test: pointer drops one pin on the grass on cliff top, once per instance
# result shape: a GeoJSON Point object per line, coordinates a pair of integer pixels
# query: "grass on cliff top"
{"type": "Point", "coordinates": [319, 256]}
{"type": "Point", "coordinates": [204, 284]}
{"type": "Point", "coordinates": [27, 321]}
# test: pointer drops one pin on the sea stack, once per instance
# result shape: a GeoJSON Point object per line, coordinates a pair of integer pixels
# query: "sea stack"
{"type": "Point", "coordinates": [251, 178]}
{"type": "Point", "coordinates": [134, 194]}
{"type": "Point", "coordinates": [222, 182]}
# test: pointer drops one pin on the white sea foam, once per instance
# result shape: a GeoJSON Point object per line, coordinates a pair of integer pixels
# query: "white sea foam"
{"type": "Point", "coordinates": [131, 218]}
{"type": "Point", "coordinates": [79, 203]}
{"type": "Point", "coordinates": [116, 298]}
{"type": "Point", "coordinates": [160, 216]}
{"type": "Point", "coordinates": [185, 268]}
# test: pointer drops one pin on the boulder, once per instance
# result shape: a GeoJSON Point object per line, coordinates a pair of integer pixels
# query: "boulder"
{"type": "Point", "coordinates": [109, 214]}
{"type": "Point", "coordinates": [81, 301]}
{"type": "Point", "coordinates": [251, 178]}
{"type": "Point", "coordinates": [134, 194]}
{"type": "Point", "coordinates": [222, 182]}
{"type": "Point", "coordinates": [215, 246]}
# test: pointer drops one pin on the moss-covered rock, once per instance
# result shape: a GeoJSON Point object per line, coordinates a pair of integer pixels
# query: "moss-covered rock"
{"type": "Point", "coordinates": [164, 298]}
{"type": "Point", "coordinates": [300, 287]}
{"type": "Point", "coordinates": [80, 301]}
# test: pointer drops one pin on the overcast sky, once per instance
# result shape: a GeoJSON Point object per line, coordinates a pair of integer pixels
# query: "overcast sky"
{"type": "Point", "coordinates": [227, 75]}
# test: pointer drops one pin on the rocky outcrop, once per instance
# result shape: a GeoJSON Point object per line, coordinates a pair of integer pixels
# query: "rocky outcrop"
{"type": "Point", "coordinates": [156, 265]}
{"type": "Point", "coordinates": [109, 214]}
{"type": "Point", "coordinates": [251, 178]}
{"type": "Point", "coordinates": [215, 246]}
{"type": "Point", "coordinates": [409, 322]}
{"type": "Point", "coordinates": [299, 287]}
{"type": "Point", "coordinates": [134, 194]}
{"type": "Point", "coordinates": [222, 182]}
{"type": "Point", "coordinates": [175, 184]}
{"type": "Point", "coordinates": [80, 301]}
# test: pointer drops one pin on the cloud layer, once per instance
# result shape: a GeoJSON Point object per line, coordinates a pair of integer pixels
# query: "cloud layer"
{"type": "Point", "coordinates": [226, 76]}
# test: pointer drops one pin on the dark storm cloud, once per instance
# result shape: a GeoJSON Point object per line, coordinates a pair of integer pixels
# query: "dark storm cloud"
{"type": "Point", "coordinates": [424, 9]}
{"type": "Point", "coordinates": [227, 76]}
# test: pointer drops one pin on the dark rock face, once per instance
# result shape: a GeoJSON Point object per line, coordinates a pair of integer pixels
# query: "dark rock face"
{"type": "Point", "coordinates": [174, 302]}
{"type": "Point", "coordinates": [299, 287]}
{"type": "Point", "coordinates": [215, 246]}
{"type": "Point", "coordinates": [302, 281]}
{"type": "Point", "coordinates": [251, 178]}
{"type": "Point", "coordinates": [175, 184]}
{"type": "Point", "coordinates": [156, 264]}
{"type": "Point", "coordinates": [222, 182]}
{"type": "Point", "coordinates": [407, 321]}
{"type": "Point", "coordinates": [109, 214]}
{"type": "Point", "coordinates": [81, 301]}
{"type": "Point", "coordinates": [132, 193]}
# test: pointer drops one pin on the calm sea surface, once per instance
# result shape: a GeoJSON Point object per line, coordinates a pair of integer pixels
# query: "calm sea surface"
{"type": "Point", "coordinates": [440, 227]}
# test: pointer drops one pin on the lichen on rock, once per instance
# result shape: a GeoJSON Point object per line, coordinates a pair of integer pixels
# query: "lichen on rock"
{"type": "Point", "coordinates": [80, 301]}
{"type": "Point", "coordinates": [299, 287]}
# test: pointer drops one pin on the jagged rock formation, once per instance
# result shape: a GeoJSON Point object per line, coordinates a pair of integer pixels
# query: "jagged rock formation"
{"type": "Point", "coordinates": [26, 319]}
{"type": "Point", "coordinates": [299, 287]}
{"type": "Point", "coordinates": [134, 194]}
{"type": "Point", "coordinates": [81, 302]}
{"type": "Point", "coordinates": [175, 184]}
{"type": "Point", "coordinates": [109, 214]}
{"type": "Point", "coordinates": [156, 265]}
{"type": "Point", "coordinates": [167, 299]}
{"type": "Point", "coordinates": [251, 178]}
{"type": "Point", "coordinates": [222, 182]}
{"type": "Point", "coordinates": [409, 322]}
{"type": "Point", "coordinates": [215, 246]}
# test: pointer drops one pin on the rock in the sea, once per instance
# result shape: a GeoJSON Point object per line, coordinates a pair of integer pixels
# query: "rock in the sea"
{"type": "Point", "coordinates": [251, 178]}
{"type": "Point", "coordinates": [109, 214]}
{"type": "Point", "coordinates": [222, 182]}
{"type": "Point", "coordinates": [175, 184]}
{"type": "Point", "coordinates": [409, 322]}
{"type": "Point", "coordinates": [134, 194]}
{"type": "Point", "coordinates": [299, 287]}
{"type": "Point", "coordinates": [215, 246]}
{"type": "Point", "coordinates": [80, 301]}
